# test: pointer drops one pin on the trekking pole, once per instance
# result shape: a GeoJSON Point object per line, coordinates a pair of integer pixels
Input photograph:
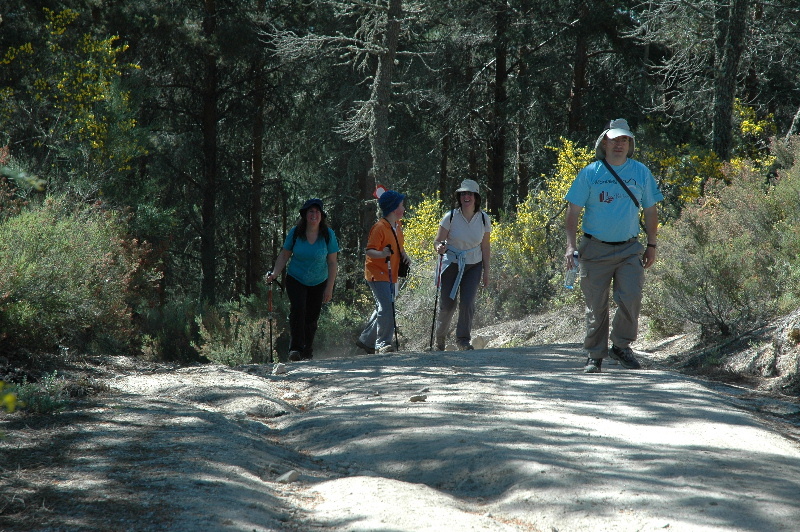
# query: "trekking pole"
{"type": "Point", "coordinates": [391, 291]}
{"type": "Point", "coordinates": [269, 318]}
{"type": "Point", "coordinates": [437, 284]}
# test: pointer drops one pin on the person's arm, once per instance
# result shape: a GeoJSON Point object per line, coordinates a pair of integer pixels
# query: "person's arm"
{"type": "Point", "coordinates": [486, 252]}
{"type": "Point", "coordinates": [571, 226]}
{"type": "Point", "coordinates": [374, 241]}
{"type": "Point", "coordinates": [379, 253]}
{"type": "Point", "coordinates": [333, 270]}
{"type": "Point", "coordinates": [651, 227]}
{"type": "Point", "coordinates": [280, 264]}
{"type": "Point", "coordinates": [439, 242]}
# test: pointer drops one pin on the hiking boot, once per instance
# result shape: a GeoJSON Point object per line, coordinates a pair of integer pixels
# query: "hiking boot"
{"type": "Point", "coordinates": [388, 348]}
{"type": "Point", "coordinates": [624, 355]}
{"type": "Point", "coordinates": [593, 365]}
{"type": "Point", "coordinates": [361, 345]}
{"type": "Point", "coordinates": [465, 347]}
{"type": "Point", "coordinates": [295, 356]}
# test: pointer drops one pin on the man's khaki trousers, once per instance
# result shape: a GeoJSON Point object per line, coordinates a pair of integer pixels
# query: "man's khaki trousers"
{"type": "Point", "coordinates": [604, 266]}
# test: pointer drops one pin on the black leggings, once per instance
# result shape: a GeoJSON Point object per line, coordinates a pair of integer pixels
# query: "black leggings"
{"type": "Point", "coordinates": [305, 305]}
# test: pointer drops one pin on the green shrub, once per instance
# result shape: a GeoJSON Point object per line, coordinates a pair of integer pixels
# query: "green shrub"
{"type": "Point", "coordinates": [339, 324]}
{"type": "Point", "coordinates": [236, 333]}
{"type": "Point", "coordinates": [44, 397]}
{"type": "Point", "coordinates": [723, 265]}
{"type": "Point", "coordinates": [170, 331]}
{"type": "Point", "coordinates": [68, 276]}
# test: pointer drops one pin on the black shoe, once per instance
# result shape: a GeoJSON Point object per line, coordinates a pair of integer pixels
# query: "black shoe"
{"type": "Point", "coordinates": [295, 356]}
{"type": "Point", "coordinates": [624, 355]}
{"type": "Point", "coordinates": [365, 347]}
{"type": "Point", "coordinates": [593, 365]}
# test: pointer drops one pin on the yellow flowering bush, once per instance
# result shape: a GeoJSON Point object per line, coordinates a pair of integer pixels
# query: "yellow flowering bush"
{"type": "Point", "coordinates": [528, 246]}
{"type": "Point", "coordinates": [8, 400]}
{"type": "Point", "coordinates": [522, 241]}
{"type": "Point", "coordinates": [419, 228]}
{"type": "Point", "coordinates": [681, 171]}
{"type": "Point", "coordinates": [75, 77]}
{"type": "Point", "coordinates": [753, 136]}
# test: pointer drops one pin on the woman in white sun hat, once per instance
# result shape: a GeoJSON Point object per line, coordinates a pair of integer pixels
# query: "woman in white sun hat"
{"type": "Point", "coordinates": [463, 242]}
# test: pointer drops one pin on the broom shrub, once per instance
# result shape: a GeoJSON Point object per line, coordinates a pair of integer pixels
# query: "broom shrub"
{"type": "Point", "coordinates": [70, 277]}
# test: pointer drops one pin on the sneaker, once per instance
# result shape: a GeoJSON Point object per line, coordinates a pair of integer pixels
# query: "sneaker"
{"type": "Point", "coordinates": [295, 356]}
{"type": "Point", "coordinates": [593, 365]}
{"type": "Point", "coordinates": [361, 345]}
{"type": "Point", "coordinates": [388, 348]}
{"type": "Point", "coordinates": [624, 355]}
{"type": "Point", "coordinates": [465, 347]}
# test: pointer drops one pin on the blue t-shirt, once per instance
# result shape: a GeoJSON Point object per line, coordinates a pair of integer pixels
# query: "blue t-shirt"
{"type": "Point", "coordinates": [309, 262]}
{"type": "Point", "coordinates": [609, 213]}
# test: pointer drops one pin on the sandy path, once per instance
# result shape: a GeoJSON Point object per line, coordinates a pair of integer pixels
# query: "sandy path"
{"type": "Point", "coordinates": [507, 439]}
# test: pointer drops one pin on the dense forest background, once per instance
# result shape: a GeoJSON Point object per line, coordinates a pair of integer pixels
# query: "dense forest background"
{"type": "Point", "coordinates": [156, 153]}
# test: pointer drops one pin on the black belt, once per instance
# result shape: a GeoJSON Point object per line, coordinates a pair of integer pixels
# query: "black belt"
{"type": "Point", "coordinates": [587, 235]}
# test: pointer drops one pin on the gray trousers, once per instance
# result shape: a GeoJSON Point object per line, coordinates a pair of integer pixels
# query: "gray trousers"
{"type": "Point", "coordinates": [467, 293]}
{"type": "Point", "coordinates": [604, 265]}
{"type": "Point", "coordinates": [380, 327]}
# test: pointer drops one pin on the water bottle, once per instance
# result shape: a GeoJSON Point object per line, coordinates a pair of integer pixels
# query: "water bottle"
{"type": "Point", "coordinates": [572, 274]}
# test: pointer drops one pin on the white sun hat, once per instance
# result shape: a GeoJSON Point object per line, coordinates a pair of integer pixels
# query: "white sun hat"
{"type": "Point", "coordinates": [616, 128]}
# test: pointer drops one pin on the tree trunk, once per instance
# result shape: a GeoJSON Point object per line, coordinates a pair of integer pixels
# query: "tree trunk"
{"type": "Point", "coordinates": [793, 127]}
{"type": "Point", "coordinates": [445, 156]}
{"type": "Point", "coordinates": [381, 94]}
{"type": "Point", "coordinates": [575, 121]}
{"type": "Point", "coordinates": [523, 175]}
{"type": "Point", "coordinates": [497, 138]}
{"type": "Point", "coordinates": [731, 22]}
{"type": "Point", "coordinates": [208, 246]}
{"type": "Point", "coordinates": [472, 153]}
{"type": "Point", "coordinates": [255, 247]}
{"type": "Point", "coordinates": [367, 210]}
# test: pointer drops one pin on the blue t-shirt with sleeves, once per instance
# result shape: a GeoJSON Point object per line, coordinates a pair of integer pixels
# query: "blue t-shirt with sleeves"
{"type": "Point", "coordinates": [609, 213]}
{"type": "Point", "coordinates": [309, 262]}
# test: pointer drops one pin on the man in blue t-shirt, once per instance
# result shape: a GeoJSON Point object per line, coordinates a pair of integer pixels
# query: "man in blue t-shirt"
{"type": "Point", "coordinates": [610, 250]}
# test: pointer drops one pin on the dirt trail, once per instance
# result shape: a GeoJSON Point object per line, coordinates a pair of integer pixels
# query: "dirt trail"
{"type": "Point", "coordinates": [496, 439]}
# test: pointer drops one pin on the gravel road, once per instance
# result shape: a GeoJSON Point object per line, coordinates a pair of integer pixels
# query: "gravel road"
{"type": "Point", "coordinates": [494, 440]}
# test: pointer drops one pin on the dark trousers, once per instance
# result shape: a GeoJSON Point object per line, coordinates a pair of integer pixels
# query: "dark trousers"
{"type": "Point", "coordinates": [305, 305]}
{"type": "Point", "coordinates": [467, 294]}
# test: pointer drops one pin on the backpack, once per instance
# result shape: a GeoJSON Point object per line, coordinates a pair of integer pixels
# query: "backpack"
{"type": "Point", "coordinates": [327, 236]}
{"type": "Point", "coordinates": [483, 217]}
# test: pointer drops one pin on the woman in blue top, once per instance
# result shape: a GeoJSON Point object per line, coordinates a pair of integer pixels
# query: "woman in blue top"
{"type": "Point", "coordinates": [311, 274]}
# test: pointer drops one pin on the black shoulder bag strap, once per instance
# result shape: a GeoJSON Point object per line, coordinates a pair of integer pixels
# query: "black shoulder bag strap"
{"type": "Point", "coordinates": [395, 237]}
{"type": "Point", "coordinates": [621, 182]}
